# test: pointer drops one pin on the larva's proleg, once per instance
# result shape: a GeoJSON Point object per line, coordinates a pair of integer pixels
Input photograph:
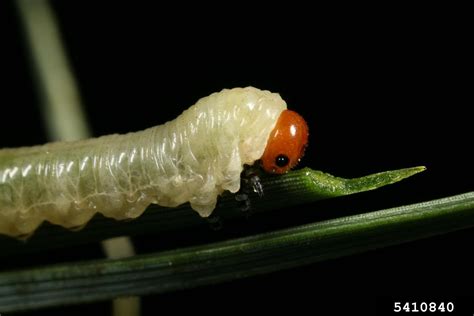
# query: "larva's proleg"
{"type": "Point", "coordinates": [193, 158]}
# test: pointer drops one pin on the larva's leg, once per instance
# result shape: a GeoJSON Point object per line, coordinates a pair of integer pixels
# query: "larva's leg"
{"type": "Point", "coordinates": [215, 222]}
{"type": "Point", "coordinates": [250, 182]}
{"type": "Point", "coordinates": [256, 185]}
{"type": "Point", "coordinates": [251, 179]}
{"type": "Point", "coordinates": [243, 200]}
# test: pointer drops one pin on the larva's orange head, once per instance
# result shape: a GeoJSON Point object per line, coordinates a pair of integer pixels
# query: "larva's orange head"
{"type": "Point", "coordinates": [286, 144]}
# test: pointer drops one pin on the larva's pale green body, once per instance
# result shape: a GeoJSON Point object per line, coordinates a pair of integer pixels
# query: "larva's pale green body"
{"type": "Point", "coordinates": [193, 158]}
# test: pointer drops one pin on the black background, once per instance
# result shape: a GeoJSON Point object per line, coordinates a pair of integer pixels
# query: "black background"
{"type": "Point", "coordinates": [381, 89]}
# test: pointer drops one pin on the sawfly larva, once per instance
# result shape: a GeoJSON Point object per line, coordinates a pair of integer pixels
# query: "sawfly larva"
{"type": "Point", "coordinates": [193, 158]}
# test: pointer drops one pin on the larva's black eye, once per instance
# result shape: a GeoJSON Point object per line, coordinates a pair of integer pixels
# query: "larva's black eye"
{"type": "Point", "coordinates": [282, 161]}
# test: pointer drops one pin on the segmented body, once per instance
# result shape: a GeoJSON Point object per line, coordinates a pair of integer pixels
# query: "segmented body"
{"type": "Point", "coordinates": [193, 158]}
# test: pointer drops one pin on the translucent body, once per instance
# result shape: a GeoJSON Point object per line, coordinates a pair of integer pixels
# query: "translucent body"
{"type": "Point", "coordinates": [193, 158]}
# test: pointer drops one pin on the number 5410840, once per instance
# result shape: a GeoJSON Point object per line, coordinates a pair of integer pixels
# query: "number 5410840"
{"type": "Point", "coordinates": [430, 307]}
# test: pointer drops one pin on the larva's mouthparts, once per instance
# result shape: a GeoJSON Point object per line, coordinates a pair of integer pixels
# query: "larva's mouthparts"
{"type": "Point", "coordinates": [286, 144]}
